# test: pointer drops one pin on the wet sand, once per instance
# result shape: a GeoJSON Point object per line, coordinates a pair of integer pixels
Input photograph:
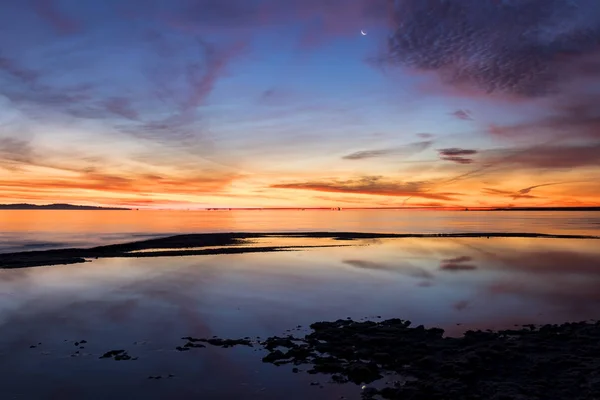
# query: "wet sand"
{"type": "Point", "coordinates": [221, 243]}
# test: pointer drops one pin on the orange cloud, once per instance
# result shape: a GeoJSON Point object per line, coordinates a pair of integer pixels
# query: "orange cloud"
{"type": "Point", "coordinates": [111, 185]}
{"type": "Point", "coordinates": [371, 186]}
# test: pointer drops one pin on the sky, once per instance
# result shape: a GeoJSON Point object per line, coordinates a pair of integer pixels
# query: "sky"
{"type": "Point", "coordinates": [285, 103]}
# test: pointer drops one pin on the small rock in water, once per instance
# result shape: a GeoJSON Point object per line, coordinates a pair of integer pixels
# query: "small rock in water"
{"type": "Point", "coordinates": [122, 357]}
{"type": "Point", "coordinates": [117, 355]}
{"type": "Point", "coordinates": [215, 341]}
{"type": "Point", "coordinates": [196, 345]}
{"type": "Point", "coordinates": [111, 353]}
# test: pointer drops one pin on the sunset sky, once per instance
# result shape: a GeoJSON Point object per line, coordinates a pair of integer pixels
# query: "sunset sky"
{"type": "Point", "coordinates": [284, 103]}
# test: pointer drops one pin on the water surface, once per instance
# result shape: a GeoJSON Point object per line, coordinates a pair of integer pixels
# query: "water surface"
{"type": "Point", "coordinates": [43, 229]}
{"type": "Point", "coordinates": [453, 283]}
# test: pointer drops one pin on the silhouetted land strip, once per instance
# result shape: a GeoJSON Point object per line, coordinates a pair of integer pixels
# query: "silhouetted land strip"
{"type": "Point", "coordinates": [220, 243]}
{"type": "Point", "coordinates": [25, 206]}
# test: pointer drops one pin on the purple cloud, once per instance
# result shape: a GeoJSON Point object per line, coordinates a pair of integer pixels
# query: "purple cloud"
{"type": "Point", "coordinates": [465, 115]}
{"type": "Point", "coordinates": [511, 47]}
{"type": "Point", "coordinates": [457, 155]}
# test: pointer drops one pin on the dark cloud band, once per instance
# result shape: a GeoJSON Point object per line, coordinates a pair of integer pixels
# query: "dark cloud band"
{"type": "Point", "coordinates": [504, 46]}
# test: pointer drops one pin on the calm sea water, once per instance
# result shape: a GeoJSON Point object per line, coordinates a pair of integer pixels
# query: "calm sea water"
{"type": "Point", "coordinates": [146, 305]}
{"type": "Point", "coordinates": [35, 230]}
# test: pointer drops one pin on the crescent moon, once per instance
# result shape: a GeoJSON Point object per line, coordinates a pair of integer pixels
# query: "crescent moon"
{"type": "Point", "coordinates": [363, 33]}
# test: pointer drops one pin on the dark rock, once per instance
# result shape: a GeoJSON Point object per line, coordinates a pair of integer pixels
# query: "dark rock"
{"type": "Point", "coordinates": [274, 356]}
{"type": "Point", "coordinates": [327, 365]}
{"type": "Point", "coordinates": [274, 342]}
{"type": "Point", "coordinates": [112, 353]}
{"type": "Point", "coordinates": [363, 372]}
{"type": "Point", "coordinates": [551, 362]}
{"type": "Point", "coordinates": [117, 355]}
{"type": "Point", "coordinates": [338, 379]}
{"type": "Point", "coordinates": [225, 343]}
{"type": "Point", "coordinates": [382, 357]}
{"type": "Point", "coordinates": [192, 339]}
{"type": "Point", "coordinates": [298, 353]}
{"type": "Point", "coordinates": [194, 345]}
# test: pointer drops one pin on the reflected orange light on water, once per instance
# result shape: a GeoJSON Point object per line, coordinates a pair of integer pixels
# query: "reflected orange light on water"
{"type": "Point", "coordinates": [387, 221]}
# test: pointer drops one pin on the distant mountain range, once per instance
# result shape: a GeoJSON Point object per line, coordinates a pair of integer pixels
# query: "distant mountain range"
{"type": "Point", "coordinates": [25, 206]}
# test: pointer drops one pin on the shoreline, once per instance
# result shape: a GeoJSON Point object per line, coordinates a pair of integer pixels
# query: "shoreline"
{"type": "Point", "coordinates": [72, 207]}
{"type": "Point", "coordinates": [532, 362]}
{"type": "Point", "coordinates": [528, 362]}
{"type": "Point", "coordinates": [223, 243]}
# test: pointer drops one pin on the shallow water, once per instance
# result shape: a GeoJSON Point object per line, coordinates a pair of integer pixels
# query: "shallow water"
{"type": "Point", "coordinates": [453, 283]}
{"type": "Point", "coordinates": [42, 229]}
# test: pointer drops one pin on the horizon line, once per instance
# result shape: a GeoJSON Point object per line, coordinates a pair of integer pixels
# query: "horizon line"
{"type": "Point", "coordinates": [334, 208]}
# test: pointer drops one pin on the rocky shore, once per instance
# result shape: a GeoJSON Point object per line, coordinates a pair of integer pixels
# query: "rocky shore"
{"type": "Point", "coordinates": [547, 362]}
{"type": "Point", "coordinates": [391, 359]}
